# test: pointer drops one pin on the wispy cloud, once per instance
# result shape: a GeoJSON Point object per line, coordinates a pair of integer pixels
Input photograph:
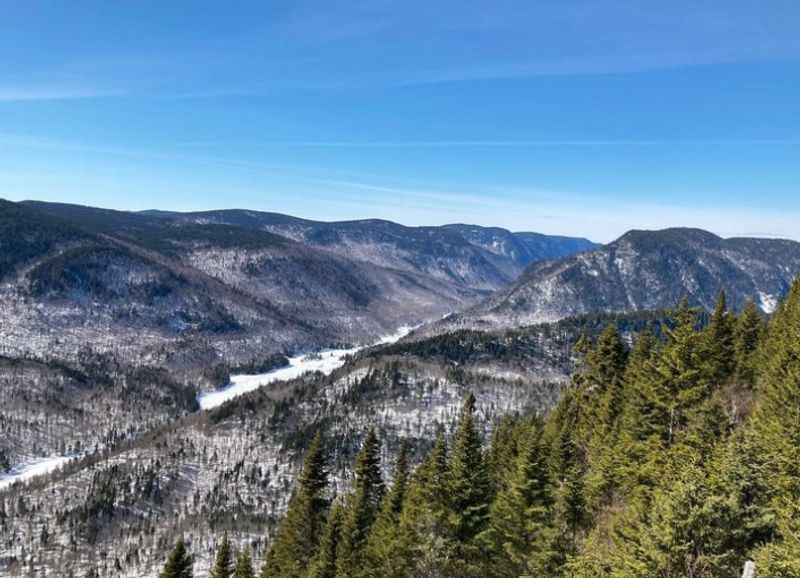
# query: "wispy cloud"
{"type": "Point", "coordinates": [502, 143]}
{"type": "Point", "coordinates": [23, 94]}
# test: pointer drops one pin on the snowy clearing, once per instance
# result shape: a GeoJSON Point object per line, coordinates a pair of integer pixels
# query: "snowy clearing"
{"type": "Point", "coordinates": [28, 470]}
{"type": "Point", "coordinates": [325, 361]}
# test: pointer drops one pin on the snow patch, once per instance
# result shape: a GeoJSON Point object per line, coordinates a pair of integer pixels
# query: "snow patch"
{"type": "Point", "coordinates": [325, 361]}
{"type": "Point", "coordinates": [768, 303]}
{"type": "Point", "coordinates": [28, 470]}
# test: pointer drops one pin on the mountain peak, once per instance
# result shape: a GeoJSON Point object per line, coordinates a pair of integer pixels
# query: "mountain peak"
{"type": "Point", "coordinates": [668, 236]}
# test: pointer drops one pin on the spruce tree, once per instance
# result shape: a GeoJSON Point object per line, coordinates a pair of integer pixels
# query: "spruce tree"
{"type": "Point", "coordinates": [179, 564]}
{"type": "Point", "coordinates": [382, 547]}
{"type": "Point", "coordinates": [425, 546]}
{"type": "Point", "coordinates": [223, 563]}
{"type": "Point", "coordinates": [470, 484]}
{"type": "Point", "coordinates": [324, 563]}
{"type": "Point", "coordinates": [603, 398]}
{"type": "Point", "coordinates": [567, 470]}
{"type": "Point", "coordinates": [776, 425]}
{"type": "Point", "coordinates": [677, 393]}
{"type": "Point", "coordinates": [748, 333]}
{"type": "Point", "coordinates": [720, 342]}
{"type": "Point", "coordinates": [470, 494]}
{"type": "Point", "coordinates": [244, 566]}
{"type": "Point", "coordinates": [299, 534]}
{"type": "Point", "coordinates": [639, 426]}
{"type": "Point", "coordinates": [362, 507]}
{"type": "Point", "coordinates": [520, 529]}
{"type": "Point", "coordinates": [502, 456]}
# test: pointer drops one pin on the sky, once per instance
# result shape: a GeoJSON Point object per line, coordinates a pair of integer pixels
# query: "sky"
{"type": "Point", "coordinates": [583, 118]}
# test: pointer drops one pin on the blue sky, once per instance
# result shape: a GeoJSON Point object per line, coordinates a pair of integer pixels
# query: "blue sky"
{"type": "Point", "coordinates": [572, 117]}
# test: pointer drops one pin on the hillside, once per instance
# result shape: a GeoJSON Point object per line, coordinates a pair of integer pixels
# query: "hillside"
{"type": "Point", "coordinates": [642, 270]}
{"type": "Point", "coordinates": [135, 312]}
{"type": "Point", "coordinates": [478, 258]}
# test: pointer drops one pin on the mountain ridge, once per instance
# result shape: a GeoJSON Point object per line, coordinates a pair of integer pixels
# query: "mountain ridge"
{"type": "Point", "coordinates": [641, 270]}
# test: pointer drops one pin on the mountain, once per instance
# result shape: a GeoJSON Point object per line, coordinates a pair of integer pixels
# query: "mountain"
{"type": "Point", "coordinates": [111, 322]}
{"type": "Point", "coordinates": [109, 315]}
{"type": "Point", "coordinates": [642, 270]}
{"type": "Point", "coordinates": [190, 291]}
{"type": "Point", "coordinates": [478, 258]}
{"type": "Point", "coordinates": [231, 468]}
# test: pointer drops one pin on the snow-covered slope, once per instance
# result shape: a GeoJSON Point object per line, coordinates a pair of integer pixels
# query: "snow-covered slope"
{"type": "Point", "coordinates": [325, 362]}
{"type": "Point", "coordinates": [642, 270]}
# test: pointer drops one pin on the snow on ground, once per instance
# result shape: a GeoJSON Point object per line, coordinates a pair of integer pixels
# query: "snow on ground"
{"type": "Point", "coordinates": [325, 361]}
{"type": "Point", "coordinates": [28, 470]}
{"type": "Point", "coordinates": [769, 303]}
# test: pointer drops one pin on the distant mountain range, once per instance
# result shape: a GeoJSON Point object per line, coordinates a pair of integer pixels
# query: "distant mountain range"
{"type": "Point", "coordinates": [192, 290]}
{"type": "Point", "coordinates": [642, 270]}
{"type": "Point", "coordinates": [112, 321]}
{"type": "Point", "coordinates": [469, 256]}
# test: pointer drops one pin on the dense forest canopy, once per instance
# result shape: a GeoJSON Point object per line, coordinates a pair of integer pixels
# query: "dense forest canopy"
{"type": "Point", "coordinates": [676, 456]}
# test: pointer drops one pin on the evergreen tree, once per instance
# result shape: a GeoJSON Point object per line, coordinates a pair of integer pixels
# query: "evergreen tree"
{"type": "Point", "coordinates": [244, 566]}
{"type": "Point", "coordinates": [470, 484]}
{"type": "Point", "coordinates": [748, 333]}
{"type": "Point", "coordinates": [382, 542]}
{"type": "Point", "coordinates": [637, 471]}
{"type": "Point", "coordinates": [324, 563]}
{"type": "Point", "coordinates": [470, 494]}
{"type": "Point", "coordinates": [298, 536]}
{"type": "Point", "coordinates": [179, 564]}
{"type": "Point", "coordinates": [362, 507]}
{"type": "Point", "coordinates": [682, 414]}
{"type": "Point", "coordinates": [720, 342]}
{"type": "Point", "coordinates": [425, 546]}
{"type": "Point", "coordinates": [502, 456]}
{"type": "Point", "coordinates": [520, 529]}
{"type": "Point", "coordinates": [223, 564]}
{"type": "Point", "coordinates": [776, 429]}
{"type": "Point", "coordinates": [604, 393]}
{"type": "Point", "coordinates": [639, 428]}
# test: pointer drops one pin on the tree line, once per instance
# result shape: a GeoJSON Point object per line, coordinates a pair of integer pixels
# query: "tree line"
{"type": "Point", "coordinates": [675, 455]}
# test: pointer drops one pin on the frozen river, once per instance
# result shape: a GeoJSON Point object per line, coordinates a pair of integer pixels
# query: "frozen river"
{"type": "Point", "coordinates": [31, 469]}
{"type": "Point", "coordinates": [325, 361]}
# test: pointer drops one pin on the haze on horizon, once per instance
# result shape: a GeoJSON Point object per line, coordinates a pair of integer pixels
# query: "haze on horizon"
{"type": "Point", "coordinates": [575, 118]}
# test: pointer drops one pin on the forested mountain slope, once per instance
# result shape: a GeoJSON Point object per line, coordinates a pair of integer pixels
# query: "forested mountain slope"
{"type": "Point", "coordinates": [479, 258]}
{"type": "Point", "coordinates": [231, 469]}
{"type": "Point", "coordinates": [639, 271]}
{"type": "Point", "coordinates": [677, 457]}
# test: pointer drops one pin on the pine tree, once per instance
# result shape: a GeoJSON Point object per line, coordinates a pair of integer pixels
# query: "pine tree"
{"type": "Point", "coordinates": [223, 564]}
{"type": "Point", "coordinates": [520, 530]}
{"type": "Point", "coordinates": [324, 563]}
{"type": "Point", "coordinates": [720, 342]}
{"type": "Point", "coordinates": [776, 429]}
{"type": "Point", "coordinates": [362, 507]}
{"type": "Point", "coordinates": [603, 393]}
{"type": "Point", "coordinates": [298, 536]}
{"type": "Point", "coordinates": [425, 546]}
{"type": "Point", "coordinates": [470, 494]}
{"type": "Point", "coordinates": [381, 548]}
{"type": "Point", "coordinates": [502, 456]}
{"type": "Point", "coordinates": [244, 566]}
{"type": "Point", "coordinates": [470, 484]}
{"type": "Point", "coordinates": [748, 333]}
{"type": "Point", "coordinates": [179, 564]}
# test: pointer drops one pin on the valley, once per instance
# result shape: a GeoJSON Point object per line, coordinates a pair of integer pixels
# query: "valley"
{"type": "Point", "coordinates": [325, 362]}
{"type": "Point", "coordinates": [164, 373]}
